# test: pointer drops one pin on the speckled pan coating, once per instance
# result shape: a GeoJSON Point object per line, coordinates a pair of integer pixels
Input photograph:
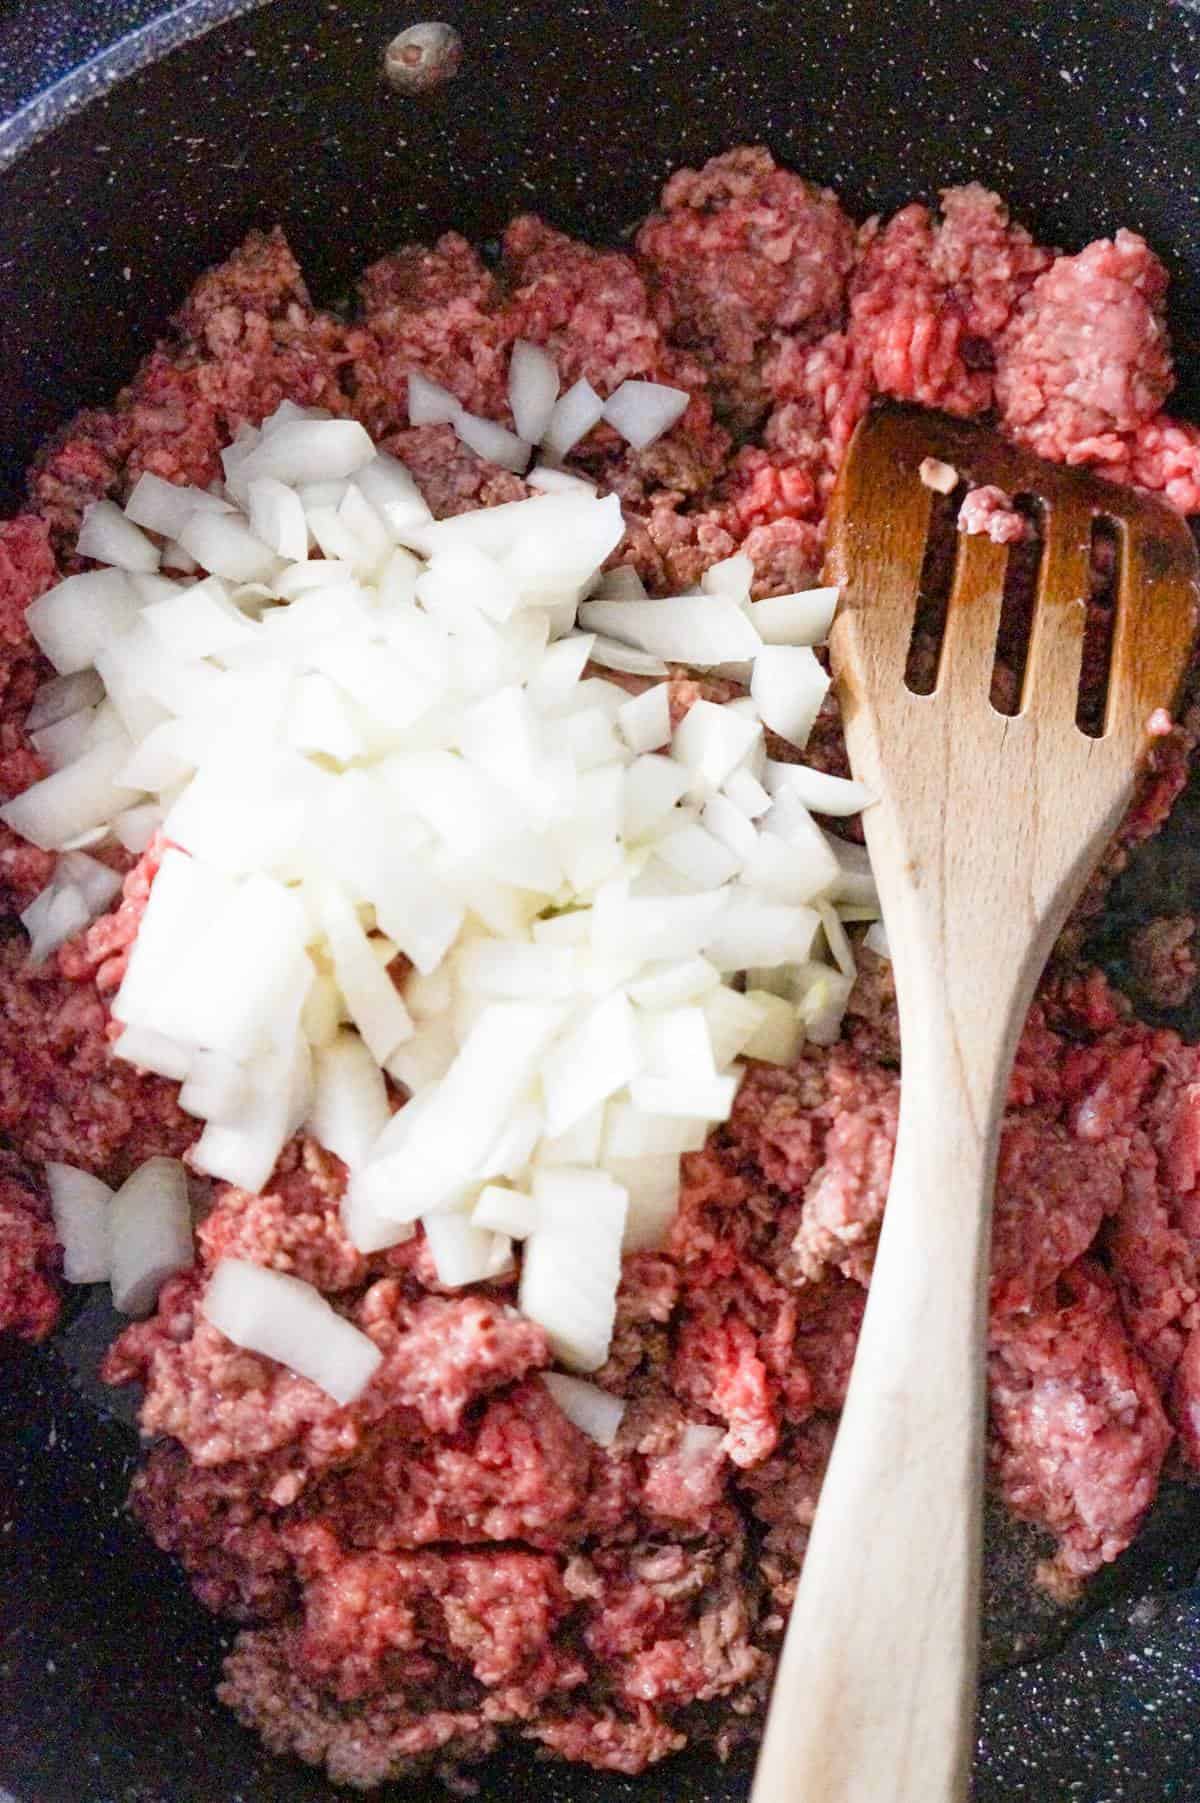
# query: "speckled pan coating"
{"type": "Point", "coordinates": [129, 173]}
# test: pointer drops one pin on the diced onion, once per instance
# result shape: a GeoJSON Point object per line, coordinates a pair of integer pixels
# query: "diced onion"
{"type": "Point", "coordinates": [595, 1412]}
{"type": "Point", "coordinates": [285, 1319]}
{"type": "Point", "coordinates": [493, 442]}
{"type": "Point", "coordinates": [166, 507]}
{"type": "Point", "coordinates": [836, 796]}
{"type": "Point", "coordinates": [574, 415]}
{"type": "Point", "coordinates": [876, 940]}
{"type": "Point", "coordinates": [74, 620]}
{"type": "Point", "coordinates": [572, 1263]}
{"type": "Point", "coordinates": [463, 1252]}
{"type": "Point", "coordinates": [788, 687]}
{"type": "Point", "coordinates": [802, 619]}
{"type": "Point", "coordinates": [429, 404]}
{"type": "Point", "coordinates": [80, 1205]}
{"type": "Point", "coordinates": [151, 1234]}
{"type": "Point", "coordinates": [506, 1211]}
{"type": "Point", "coordinates": [350, 1105]}
{"type": "Point", "coordinates": [532, 389]}
{"type": "Point", "coordinates": [108, 537]}
{"type": "Point", "coordinates": [642, 411]}
{"type": "Point", "coordinates": [689, 629]}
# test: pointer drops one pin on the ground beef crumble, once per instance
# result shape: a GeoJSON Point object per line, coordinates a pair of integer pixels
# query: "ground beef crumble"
{"type": "Point", "coordinates": [449, 1562]}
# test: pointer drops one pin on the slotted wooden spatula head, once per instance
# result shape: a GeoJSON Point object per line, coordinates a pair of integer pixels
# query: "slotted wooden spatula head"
{"type": "Point", "coordinates": [1047, 791]}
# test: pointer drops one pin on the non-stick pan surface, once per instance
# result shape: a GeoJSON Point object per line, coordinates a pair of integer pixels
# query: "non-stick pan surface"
{"type": "Point", "coordinates": [141, 143]}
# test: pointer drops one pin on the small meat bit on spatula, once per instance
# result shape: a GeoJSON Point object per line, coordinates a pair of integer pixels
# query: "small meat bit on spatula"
{"type": "Point", "coordinates": [986, 828]}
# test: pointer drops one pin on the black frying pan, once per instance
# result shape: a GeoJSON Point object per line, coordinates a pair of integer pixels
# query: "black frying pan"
{"type": "Point", "coordinates": [155, 156]}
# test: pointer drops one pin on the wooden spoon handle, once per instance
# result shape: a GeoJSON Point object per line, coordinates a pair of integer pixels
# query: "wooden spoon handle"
{"type": "Point", "coordinates": [874, 1700]}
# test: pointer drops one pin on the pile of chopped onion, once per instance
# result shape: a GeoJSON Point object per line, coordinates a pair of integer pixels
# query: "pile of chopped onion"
{"type": "Point", "coordinates": [401, 749]}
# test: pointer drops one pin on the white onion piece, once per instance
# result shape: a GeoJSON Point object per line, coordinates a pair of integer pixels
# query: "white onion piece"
{"type": "Point", "coordinates": [63, 696]}
{"type": "Point", "coordinates": [732, 576]}
{"type": "Point", "coordinates": [876, 940]}
{"type": "Point", "coordinates": [62, 743]}
{"type": "Point", "coordinates": [215, 1087]}
{"type": "Point", "coordinates": [759, 934]}
{"type": "Point", "coordinates": [670, 985]}
{"type": "Point", "coordinates": [630, 1133]}
{"type": "Point", "coordinates": [855, 884]}
{"type": "Point", "coordinates": [558, 482]}
{"type": "Point", "coordinates": [779, 1034]}
{"type": "Point", "coordinates": [688, 629]}
{"type": "Point", "coordinates": [709, 1098]}
{"type": "Point", "coordinates": [591, 1062]}
{"type": "Point", "coordinates": [518, 972]}
{"type": "Point", "coordinates": [199, 621]}
{"type": "Point", "coordinates": [652, 787]}
{"type": "Point", "coordinates": [72, 801]}
{"type": "Point", "coordinates": [802, 619]}
{"type": "Point", "coordinates": [350, 1104]}
{"type": "Point", "coordinates": [242, 987]}
{"type": "Point", "coordinates": [645, 722]}
{"type": "Point", "coordinates": [80, 1206]}
{"type": "Point", "coordinates": [746, 793]}
{"type": "Point", "coordinates": [108, 537]}
{"type": "Point", "coordinates": [813, 869]}
{"type": "Point", "coordinates": [147, 1050]}
{"type": "Point", "coordinates": [174, 557]}
{"type": "Point", "coordinates": [393, 493]}
{"type": "Point", "coordinates": [367, 1230]}
{"type": "Point", "coordinates": [52, 917]}
{"type": "Point", "coordinates": [732, 1020]}
{"type": "Point", "coordinates": [184, 897]}
{"type": "Point", "coordinates": [579, 1144]}
{"type": "Point", "coordinates": [511, 1153]}
{"type": "Point", "coordinates": [572, 1263]}
{"type": "Point", "coordinates": [319, 720]}
{"type": "Point", "coordinates": [284, 1319]}
{"type": "Point", "coordinates": [711, 742]}
{"type": "Point", "coordinates": [642, 411]}
{"type": "Point", "coordinates": [652, 1185]}
{"type": "Point", "coordinates": [613, 655]}
{"type": "Point", "coordinates": [532, 389]}
{"type": "Point", "coordinates": [595, 1412]}
{"type": "Point", "coordinates": [223, 544]}
{"type": "Point", "coordinates": [429, 404]}
{"type": "Point", "coordinates": [822, 1003]}
{"type": "Point", "coordinates": [697, 856]}
{"type": "Point", "coordinates": [506, 1211]}
{"type": "Point", "coordinates": [464, 1253]}
{"type": "Point", "coordinates": [307, 450]}
{"type": "Point", "coordinates": [151, 1234]}
{"type": "Point", "coordinates": [731, 827]}
{"type": "Point", "coordinates": [98, 885]}
{"type": "Point", "coordinates": [277, 518]}
{"type": "Point", "coordinates": [428, 1158]}
{"type": "Point", "coordinates": [136, 827]}
{"type": "Point", "coordinates": [836, 796]}
{"type": "Point", "coordinates": [288, 411]}
{"type": "Point", "coordinates": [574, 415]}
{"type": "Point", "coordinates": [78, 617]}
{"type": "Point", "coordinates": [788, 687]}
{"type": "Point", "coordinates": [166, 507]}
{"type": "Point", "coordinates": [244, 1149]}
{"type": "Point", "coordinates": [373, 1000]}
{"type": "Point", "coordinates": [837, 939]}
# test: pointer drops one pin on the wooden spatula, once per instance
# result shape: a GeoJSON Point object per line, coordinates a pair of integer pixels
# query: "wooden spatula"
{"type": "Point", "coordinates": [985, 830]}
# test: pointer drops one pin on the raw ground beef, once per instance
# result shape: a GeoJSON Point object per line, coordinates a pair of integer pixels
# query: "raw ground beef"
{"type": "Point", "coordinates": [449, 1562]}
